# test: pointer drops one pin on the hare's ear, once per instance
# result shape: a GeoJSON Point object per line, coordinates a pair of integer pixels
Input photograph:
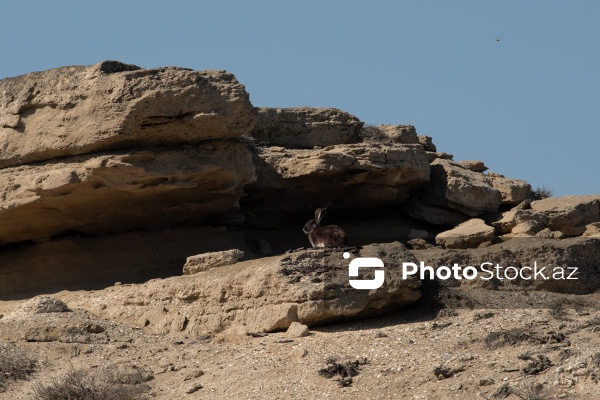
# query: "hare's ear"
{"type": "Point", "coordinates": [320, 213]}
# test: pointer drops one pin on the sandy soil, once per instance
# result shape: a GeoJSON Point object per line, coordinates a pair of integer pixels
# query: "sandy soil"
{"type": "Point", "coordinates": [454, 354]}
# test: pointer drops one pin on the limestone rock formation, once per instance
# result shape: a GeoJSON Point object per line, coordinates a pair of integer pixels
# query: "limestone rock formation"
{"type": "Point", "coordinates": [568, 214]}
{"type": "Point", "coordinates": [261, 295]}
{"type": "Point", "coordinates": [469, 234]}
{"type": "Point", "coordinates": [115, 192]}
{"type": "Point", "coordinates": [567, 254]}
{"type": "Point", "coordinates": [350, 176]}
{"type": "Point", "coordinates": [592, 230]}
{"type": "Point", "coordinates": [113, 159]}
{"type": "Point", "coordinates": [461, 189]}
{"type": "Point", "coordinates": [513, 191]}
{"type": "Point", "coordinates": [206, 261]}
{"type": "Point", "coordinates": [305, 127]}
{"type": "Point", "coordinates": [402, 134]}
{"type": "Point", "coordinates": [76, 110]}
{"type": "Point", "coordinates": [473, 165]}
{"type": "Point", "coordinates": [427, 143]}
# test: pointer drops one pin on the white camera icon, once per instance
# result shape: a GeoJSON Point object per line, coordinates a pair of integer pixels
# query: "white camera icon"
{"type": "Point", "coordinates": [365, 262]}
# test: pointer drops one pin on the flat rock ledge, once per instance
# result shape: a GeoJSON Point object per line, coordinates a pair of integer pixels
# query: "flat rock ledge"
{"type": "Point", "coordinates": [310, 287]}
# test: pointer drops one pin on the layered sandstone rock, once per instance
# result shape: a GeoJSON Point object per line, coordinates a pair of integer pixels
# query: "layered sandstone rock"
{"type": "Point", "coordinates": [305, 127]}
{"type": "Point", "coordinates": [460, 189]}
{"type": "Point", "coordinates": [260, 295]}
{"type": "Point", "coordinates": [568, 214]}
{"type": "Point", "coordinates": [469, 234]}
{"type": "Point", "coordinates": [513, 191]}
{"type": "Point", "coordinates": [558, 258]}
{"type": "Point", "coordinates": [76, 110]}
{"type": "Point", "coordinates": [350, 176]}
{"type": "Point", "coordinates": [402, 134]}
{"type": "Point", "coordinates": [206, 261]}
{"type": "Point", "coordinates": [115, 192]}
{"type": "Point", "coordinates": [113, 159]}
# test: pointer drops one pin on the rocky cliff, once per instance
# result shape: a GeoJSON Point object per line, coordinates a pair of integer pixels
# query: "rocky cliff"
{"type": "Point", "coordinates": [183, 205]}
{"type": "Point", "coordinates": [116, 173]}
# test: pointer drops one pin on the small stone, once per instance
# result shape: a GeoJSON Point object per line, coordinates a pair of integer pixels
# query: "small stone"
{"type": "Point", "coordinates": [194, 388]}
{"type": "Point", "coordinates": [297, 330]}
{"type": "Point", "coordinates": [193, 375]}
{"type": "Point", "coordinates": [301, 353]}
{"type": "Point", "coordinates": [43, 305]}
{"type": "Point", "coordinates": [570, 383]}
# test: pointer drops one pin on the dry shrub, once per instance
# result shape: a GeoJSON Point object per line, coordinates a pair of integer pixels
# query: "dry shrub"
{"type": "Point", "coordinates": [346, 370]}
{"type": "Point", "coordinates": [15, 364]}
{"type": "Point", "coordinates": [537, 363]}
{"type": "Point", "coordinates": [542, 192]}
{"type": "Point", "coordinates": [84, 385]}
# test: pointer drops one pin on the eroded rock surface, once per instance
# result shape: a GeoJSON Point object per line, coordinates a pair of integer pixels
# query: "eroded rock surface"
{"type": "Point", "coordinates": [349, 176]}
{"type": "Point", "coordinates": [101, 193]}
{"type": "Point", "coordinates": [77, 110]}
{"type": "Point", "coordinates": [568, 214]}
{"type": "Point", "coordinates": [567, 254]}
{"type": "Point", "coordinates": [305, 127]}
{"type": "Point", "coordinates": [469, 234]}
{"type": "Point", "coordinates": [206, 261]}
{"type": "Point", "coordinates": [461, 189]}
{"type": "Point", "coordinates": [261, 295]}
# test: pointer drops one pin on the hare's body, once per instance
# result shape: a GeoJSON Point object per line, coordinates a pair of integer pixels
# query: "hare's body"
{"type": "Point", "coordinates": [324, 236]}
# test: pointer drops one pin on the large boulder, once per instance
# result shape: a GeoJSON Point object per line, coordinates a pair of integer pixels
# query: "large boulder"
{"type": "Point", "coordinates": [362, 175]}
{"type": "Point", "coordinates": [305, 127]}
{"type": "Point", "coordinates": [568, 214]}
{"type": "Point", "coordinates": [513, 191]}
{"type": "Point", "coordinates": [469, 234]}
{"type": "Point", "coordinates": [76, 110]}
{"type": "Point", "coordinates": [567, 266]}
{"type": "Point", "coordinates": [456, 187]}
{"type": "Point", "coordinates": [114, 192]}
{"type": "Point", "coordinates": [310, 287]}
{"type": "Point", "coordinates": [215, 259]}
{"type": "Point", "coordinates": [402, 134]}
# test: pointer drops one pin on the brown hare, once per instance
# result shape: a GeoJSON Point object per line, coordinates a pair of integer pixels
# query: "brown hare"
{"type": "Point", "coordinates": [324, 236]}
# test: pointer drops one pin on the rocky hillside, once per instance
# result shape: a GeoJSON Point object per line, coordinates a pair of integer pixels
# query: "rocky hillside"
{"type": "Point", "coordinates": [182, 205]}
{"type": "Point", "coordinates": [101, 163]}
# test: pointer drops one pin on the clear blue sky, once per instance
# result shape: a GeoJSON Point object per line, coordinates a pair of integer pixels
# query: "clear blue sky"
{"type": "Point", "coordinates": [527, 105]}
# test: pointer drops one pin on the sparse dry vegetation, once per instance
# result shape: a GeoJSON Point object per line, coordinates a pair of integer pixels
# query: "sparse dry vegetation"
{"type": "Point", "coordinates": [84, 385]}
{"type": "Point", "coordinates": [537, 363]}
{"type": "Point", "coordinates": [15, 364]}
{"type": "Point", "coordinates": [542, 192]}
{"type": "Point", "coordinates": [346, 370]}
{"type": "Point", "coordinates": [373, 133]}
